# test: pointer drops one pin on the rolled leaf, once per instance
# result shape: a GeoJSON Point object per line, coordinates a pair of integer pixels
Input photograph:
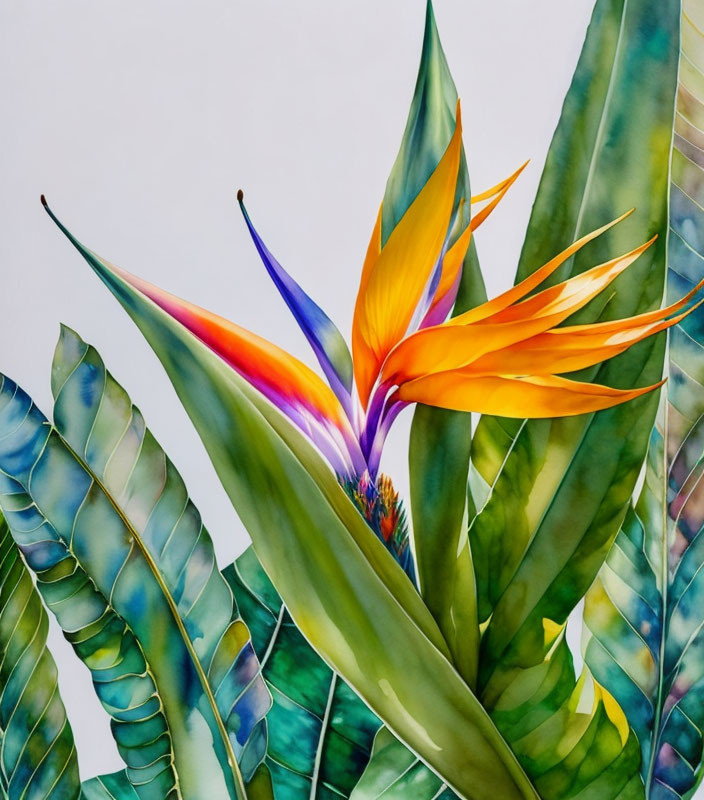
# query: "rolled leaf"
{"type": "Point", "coordinates": [343, 589]}
{"type": "Point", "coordinates": [143, 603]}
{"type": "Point", "coordinates": [37, 752]}
{"type": "Point", "coordinates": [320, 732]}
{"type": "Point", "coordinates": [645, 614]}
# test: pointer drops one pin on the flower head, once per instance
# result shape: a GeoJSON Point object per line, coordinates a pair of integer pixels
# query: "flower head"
{"type": "Point", "coordinates": [505, 357]}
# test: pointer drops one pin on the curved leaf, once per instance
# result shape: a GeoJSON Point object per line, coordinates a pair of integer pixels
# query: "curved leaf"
{"type": "Point", "coordinates": [554, 492]}
{"type": "Point", "coordinates": [320, 732]}
{"type": "Point", "coordinates": [167, 676]}
{"type": "Point", "coordinates": [645, 615]}
{"type": "Point", "coordinates": [37, 752]}
{"type": "Point", "coordinates": [343, 589]}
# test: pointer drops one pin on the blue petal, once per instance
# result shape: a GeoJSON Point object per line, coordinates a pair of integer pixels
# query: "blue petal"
{"type": "Point", "coordinates": [326, 340]}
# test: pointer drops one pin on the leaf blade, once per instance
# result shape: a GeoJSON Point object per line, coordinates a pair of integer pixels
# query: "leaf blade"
{"type": "Point", "coordinates": [642, 617]}
{"type": "Point", "coordinates": [38, 754]}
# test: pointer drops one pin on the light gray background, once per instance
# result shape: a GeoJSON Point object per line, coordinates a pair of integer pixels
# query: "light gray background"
{"type": "Point", "coordinates": [140, 120]}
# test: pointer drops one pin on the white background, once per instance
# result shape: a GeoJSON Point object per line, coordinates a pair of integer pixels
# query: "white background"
{"type": "Point", "coordinates": [140, 120]}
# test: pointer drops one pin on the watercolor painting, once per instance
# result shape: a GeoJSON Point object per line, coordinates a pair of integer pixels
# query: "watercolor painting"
{"type": "Point", "coordinates": [378, 639]}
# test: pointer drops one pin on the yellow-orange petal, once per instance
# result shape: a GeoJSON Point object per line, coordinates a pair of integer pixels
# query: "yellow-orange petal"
{"type": "Point", "coordinates": [392, 287]}
{"type": "Point", "coordinates": [573, 294]}
{"type": "Point", "coordinates": [520, 290]}
{"type": "Point", "coordinates": [561, 350]}
{"type": "Point", "coordinates": [617, 325]}
{"type": "Point", "coordinates": [497, 194]}
{"type": "Point", "coordinates": [533, 397]}
{"type": "Point", "coordinates": [451, 347]}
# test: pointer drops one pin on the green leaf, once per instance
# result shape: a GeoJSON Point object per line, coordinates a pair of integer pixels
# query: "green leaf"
{"type": "Point", "coordinates": [557, 490]}
{"type": "Point", "coordinates": [345, 592]}
{"type": "Point", "coordinates": [394, 773]}
{"type": "Point", "coordinates": [320, 732]}
{"type": "Point", "coordinates": [143, 603]}
{"type": "Point", "coordinates": [37, 752]}
{"type": "Point", "coordinates": [440, 440]}
{"type": "Point", "coordinates": [109, 787]}
{"type": "Point", "coordinates": [645, 614]}
{"type": "Point", "coordinates": [439, 462]}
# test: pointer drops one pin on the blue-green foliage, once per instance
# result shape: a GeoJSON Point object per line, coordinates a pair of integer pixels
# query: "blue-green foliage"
{"type": "Point", "coordinates": [320, 732]}
{"type": "Point", "coordinates": [37, 753]}
{"type": "Point", "coordinates": [645, 614]}
{"type": "Point", "coordinates": [124, 562]}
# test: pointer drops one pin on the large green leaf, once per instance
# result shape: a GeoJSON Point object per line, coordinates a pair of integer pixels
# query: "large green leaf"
{"type": "Point", "coordinates": [645, 614]}
{"type": "Point", "coordinates": [143, 602]}
{"type": "Point", "coordinates": [440, 440]}
{"type": "Point", "coordinates": [345, 592]}
{"type": "Point", "coordinates": [556, 491]}
{"type": "Point", "coordinates": [561, 487]}
{"type": "Point", "coordinates": [37, 752]}
{"type": "Point", "coordinates": [320, 732]}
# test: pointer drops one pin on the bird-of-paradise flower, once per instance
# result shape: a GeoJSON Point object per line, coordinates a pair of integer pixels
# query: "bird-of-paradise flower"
{"type": "Point", "coordinates": [505, 357]}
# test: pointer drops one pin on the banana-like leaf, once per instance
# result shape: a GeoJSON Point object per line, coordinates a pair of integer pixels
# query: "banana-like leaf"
{"type": "Point", "coordinates": [345, 592]}
{"type": "Point", "coordinates": [644, 616]}
{"type": "Point", "coordinates": [556, 491]}
{"type": "Point", "coordinates": [123, 561]}
{"type": "Point", "coordinates": [440, 440]}
{"type": "Point", "coordinates": [37, 752]}
{"type": "Point", "coordinates": [115, 786]}
{"type": "Point", "coordinates": [394, 773]}
{"type": "Point", "coordinates": [559, 489]}
{"type": "Point", "coordinates": [320, 732]}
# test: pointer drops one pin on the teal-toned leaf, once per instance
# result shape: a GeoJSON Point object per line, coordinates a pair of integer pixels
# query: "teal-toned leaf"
{"type": "Point", "coordinates": [109, 787]}
{"type": "Point", "coordinates": [37, 752]}
{"type": "Point", "coordinates": [645, 614]}
{"type": "Point", "coordinates": [394, 773]}
{"type": "Point", "coordinates": [320, 732]}
{"type": "Point", "coordinates": [123, 561]}
{"type": "Point", "coordinates": [345, 592]}
{"type": "Point", "coordinates": [556, 491]}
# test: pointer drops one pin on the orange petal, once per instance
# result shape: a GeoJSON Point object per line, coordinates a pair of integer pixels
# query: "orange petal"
{"type": "Point", "coordinates": [571, 295]}
{"type": "Point", "coordinates": [617, 325]}
{"type": "Point", "coordinates": [532, 397]}
{"type": "Point", "coordinates": [497, 193]}
{"type": "Point", "coordinates": [452, 347]}
{"type": "Point", "coordinates": [562, 350]}
{"type": "Point", "coordinates": [276, 373]}
{"type": "Point", "coordinates": [520, 290]}
{"type": "Point", "coordinates": [392, 287]}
